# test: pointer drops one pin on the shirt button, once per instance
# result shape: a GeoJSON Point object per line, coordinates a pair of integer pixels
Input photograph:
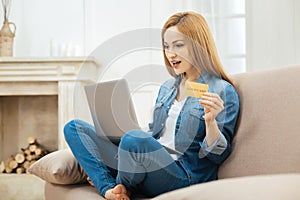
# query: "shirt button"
{"type": "Point", "coordinates": [190, 177]}
{"type": "Point", "coordinates": [162, 124]}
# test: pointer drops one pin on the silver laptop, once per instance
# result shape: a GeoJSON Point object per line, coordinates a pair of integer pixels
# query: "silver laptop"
{"type": "Point", "coordinates": [112, 110]}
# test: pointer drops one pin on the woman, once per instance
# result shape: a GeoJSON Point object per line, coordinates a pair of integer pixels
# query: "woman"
{"type": "Point", "coordinates": [200, 128]}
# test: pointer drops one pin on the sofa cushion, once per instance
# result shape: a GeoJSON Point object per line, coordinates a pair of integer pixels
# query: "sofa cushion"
{"type": "Point", "coordinates": [59, 167]}
{"type": "Point", "coordinates": [71, 192]}
{"type": "Point", "coordinates": [267, 135]}
{"type": "Point", "coordinates": [275, 187]}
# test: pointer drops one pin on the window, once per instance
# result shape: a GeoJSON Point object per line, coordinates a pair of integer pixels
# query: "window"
{"type": "Point", "coordinates": [227, 20]}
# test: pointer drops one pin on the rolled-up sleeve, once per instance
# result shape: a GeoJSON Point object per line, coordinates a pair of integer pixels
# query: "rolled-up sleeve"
{"type": "Point", "coordinates": [218, 147]}
{"type": "Point", "coordinates": [226, 120]}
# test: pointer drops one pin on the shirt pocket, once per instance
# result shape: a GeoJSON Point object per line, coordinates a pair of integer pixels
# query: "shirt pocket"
{"type": "Point", "coordinates": [195, 122]}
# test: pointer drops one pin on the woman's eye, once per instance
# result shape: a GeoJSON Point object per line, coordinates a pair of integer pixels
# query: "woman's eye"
{"type": "Point", "coordinates": [179, 45]}
{"type": "Point", "coordinates": [166, 47]}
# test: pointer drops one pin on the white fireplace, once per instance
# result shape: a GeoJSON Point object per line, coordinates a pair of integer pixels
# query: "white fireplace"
{"type": "Point", "coordinates": [36, 99]}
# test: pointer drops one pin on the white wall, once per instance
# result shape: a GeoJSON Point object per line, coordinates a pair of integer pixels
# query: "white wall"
{"type": "Point", "coordinates": [106, 19]}
{"type": "Point", "coordinates": [40, 21]}
{"type": "Point", "coordinates": [272, 33]}
{"type": "Point", "coordinates": [272, 25]}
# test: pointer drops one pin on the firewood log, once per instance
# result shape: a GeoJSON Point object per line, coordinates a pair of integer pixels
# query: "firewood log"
{"type": "Point", "coordinates": [13, 164]}
{"type": "Point", "coordinates": [26, 164]}
{"type": "Point", "coordinates": [7, 160]}
{"type": "Point", "coordinates": [8, 169]}
{"type": "Point", "coordinates": [31, 140]}
{"type": "Point", "coordinates": [31, 162]}
{"type": "Point", "coordinates": [20, 162]}
{"type": "Point", "coordinates": [26, 151]}
{"type": "Point", "coordinates": [20, 158]}
{"type": "Point", "coordinates": [32, 147]}
{"type": "Point", "coordinates": [20, 170]}
{"type": "Point", "coordinates": [29, 157]}
{"type": "Point", "coordinates": [6, 164]}
{"type": "Point", "coordinates": [38, 151]}
{"type": "Point", "coordinates": [2, 167]}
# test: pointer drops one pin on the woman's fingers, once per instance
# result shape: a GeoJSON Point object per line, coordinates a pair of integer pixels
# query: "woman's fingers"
{"type": "Point", "coordinates": [212, 96]}
{"type": "Point", "coordinates": [212, 100]}
{"type": "Point", "coordinates": [208, 104]}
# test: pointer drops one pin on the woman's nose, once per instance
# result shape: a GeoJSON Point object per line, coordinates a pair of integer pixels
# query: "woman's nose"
{"type": "Point", "coordinates": [170, 54]}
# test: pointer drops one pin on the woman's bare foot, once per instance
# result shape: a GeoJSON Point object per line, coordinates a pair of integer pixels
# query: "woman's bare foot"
{"type": "Point", "coordinates": [119, 192]}
{"type": "Point", "coordinates": [90, 181]}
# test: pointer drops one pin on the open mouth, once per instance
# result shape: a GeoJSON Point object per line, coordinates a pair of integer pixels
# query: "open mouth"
{"type": "Point", "coordinates": [175, 63]}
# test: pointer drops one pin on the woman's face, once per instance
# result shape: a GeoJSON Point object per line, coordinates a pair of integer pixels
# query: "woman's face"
{"type": "Point", "coordinates": [177, 51]}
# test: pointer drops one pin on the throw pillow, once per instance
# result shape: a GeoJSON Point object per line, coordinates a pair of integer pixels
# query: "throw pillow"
{"type": "Point", "coordinates": [59, 167]}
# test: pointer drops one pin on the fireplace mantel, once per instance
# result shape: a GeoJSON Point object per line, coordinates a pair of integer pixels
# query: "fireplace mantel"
{"type": "Point", "coordinates": [46, 69]}
{"type": "Point", "coordinates": [47, 76]}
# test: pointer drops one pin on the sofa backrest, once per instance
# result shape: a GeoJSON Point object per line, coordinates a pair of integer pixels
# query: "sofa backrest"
{"type": "Point", "coordinates": [267, 139]}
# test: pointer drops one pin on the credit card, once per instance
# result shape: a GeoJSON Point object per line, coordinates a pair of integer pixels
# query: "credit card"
{"type": "Point", "coordinates": [194, 89]}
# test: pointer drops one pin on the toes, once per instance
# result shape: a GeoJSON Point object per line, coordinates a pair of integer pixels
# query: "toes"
{"type": "Point", "coordinates": [122, 197]}
{"type": "Point", "coordinates": [119, 189]}
{"type": "Point", "coordinates": [90, 181]}
{"type": "Point", "coordinates": [120, 192]}
{"type": "Point", "coordinates": [109, 195]}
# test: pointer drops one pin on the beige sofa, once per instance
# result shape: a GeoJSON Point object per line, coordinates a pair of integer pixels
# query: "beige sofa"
{"type": "Point", "coordinates": [265, 161]}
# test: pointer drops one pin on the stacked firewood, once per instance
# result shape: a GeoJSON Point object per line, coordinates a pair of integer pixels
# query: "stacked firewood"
{"type": "Point", "coordinates": [21, 161]}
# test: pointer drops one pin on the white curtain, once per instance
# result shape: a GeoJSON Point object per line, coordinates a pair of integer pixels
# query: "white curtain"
{"type": "Point", "coordinates": [227, 23]}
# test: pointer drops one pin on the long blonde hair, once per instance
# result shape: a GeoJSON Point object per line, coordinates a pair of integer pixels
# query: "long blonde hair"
{"type": "Point", "coordinates": [204, 52]}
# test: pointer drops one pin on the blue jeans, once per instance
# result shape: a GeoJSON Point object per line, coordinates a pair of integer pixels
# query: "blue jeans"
{"type": "Point", "coordinates": [138, 162]}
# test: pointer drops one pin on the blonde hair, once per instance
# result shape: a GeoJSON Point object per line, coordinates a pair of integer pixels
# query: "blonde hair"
{"type": "Point", "coordinates": [204, 52]}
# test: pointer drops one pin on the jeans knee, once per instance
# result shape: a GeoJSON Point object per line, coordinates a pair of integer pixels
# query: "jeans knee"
{"type": "Point", "coordinates": [134, 138]}
{"type": "Point", "coordinates": [71, 128]}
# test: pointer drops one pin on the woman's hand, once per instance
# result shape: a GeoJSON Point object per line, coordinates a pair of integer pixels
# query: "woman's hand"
{"type": "Point", "coordinates": [213, 105]}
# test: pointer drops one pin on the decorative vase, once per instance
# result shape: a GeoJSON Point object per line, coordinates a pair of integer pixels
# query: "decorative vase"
{"type": "Point", "coordinates": [7, 38]}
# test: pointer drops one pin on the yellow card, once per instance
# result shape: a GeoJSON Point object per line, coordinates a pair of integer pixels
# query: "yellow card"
{"type": "Point", "coordinates": [194, 89]}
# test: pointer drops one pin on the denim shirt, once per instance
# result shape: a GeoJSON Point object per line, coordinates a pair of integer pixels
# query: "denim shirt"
{"type": "Point", "coordinates": [199, 161]}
